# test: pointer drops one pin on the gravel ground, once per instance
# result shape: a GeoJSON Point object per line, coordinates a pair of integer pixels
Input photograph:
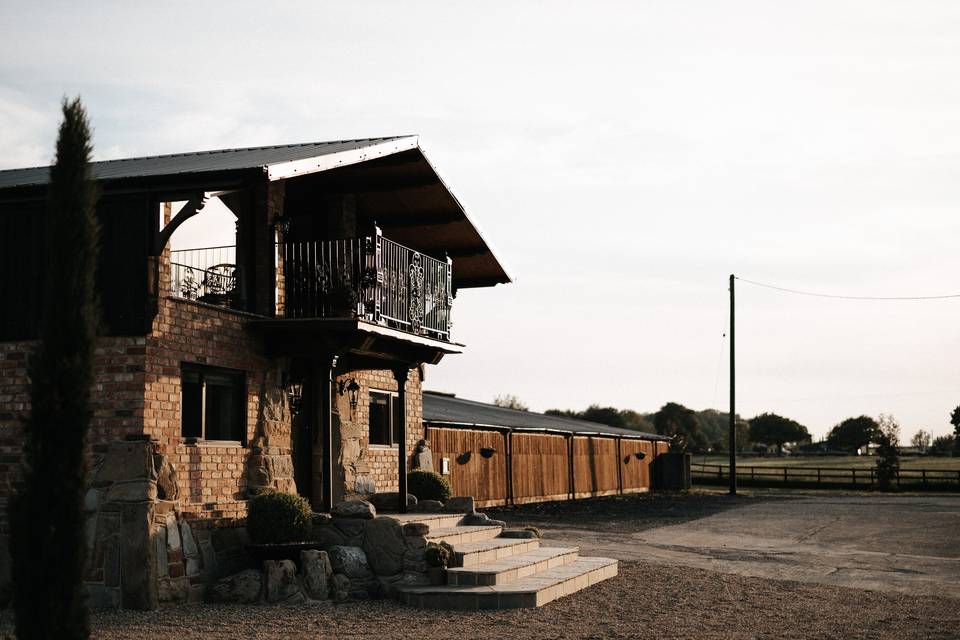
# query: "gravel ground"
{"type": "Point", "coordinates": [643, 601]}
{"type": "Point", "coordinates": [647, 599]}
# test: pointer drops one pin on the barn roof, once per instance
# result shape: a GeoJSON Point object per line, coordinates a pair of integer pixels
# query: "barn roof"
{"type": "Point", "coordinates": [394, 182]}
{"type": "Point", "coordinates": [448, 410]}
{"type": "Point", "coordinates": [272, 158]}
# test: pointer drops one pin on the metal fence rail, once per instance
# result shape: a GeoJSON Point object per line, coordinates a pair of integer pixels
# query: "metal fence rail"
{"type": "Point", "coordinates": [942, 479]}
{"type": "Point", "coordinates": [372, 278]}
{"type": "Point", "coordinates": [208, 274]}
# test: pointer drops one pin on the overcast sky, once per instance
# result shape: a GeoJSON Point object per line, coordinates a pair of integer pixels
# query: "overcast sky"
{"type": "Point", "coordinates": [622, 158]}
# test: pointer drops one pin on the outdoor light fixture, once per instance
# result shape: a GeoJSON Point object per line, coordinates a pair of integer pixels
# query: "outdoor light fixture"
{"type": "Point", "coordinates": [282, 224]}
{"type": "Point", "coordinates": [295, 396]}
{"type": "Point", "coordinates": [352, 387]}
{"type": "Point", "coordinates": [640, 455]}
{"type": "Point", "coordinates": [487, 452]}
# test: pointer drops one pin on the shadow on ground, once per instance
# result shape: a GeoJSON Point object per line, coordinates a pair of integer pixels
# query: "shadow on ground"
{"type": "Point", "coordinates": [632, 512]}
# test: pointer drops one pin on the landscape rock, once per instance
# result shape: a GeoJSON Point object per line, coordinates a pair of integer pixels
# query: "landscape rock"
{"type": "Point", "coordinates": [350, 561]}
{"type": "Point", "coordinates": [390, 501]}
{"type": "Point", "coordinates": [459, 504]}
{"type": "Point", "coordinates": [340, 589]}
{"type": "Point", "coordinates": [354, 509]}
{"type": "Point", "coordinates": [423, 457]}
{"type": "Point", "coordinates": [242, 588]}
{"type": "Point", "coordinates": [384, 544]}
{"type": "Point", "coordinates": [429, 506]}
{"type": "Point", "coordinates": [320, 519]}
{"type": "Point", "coordinates": [316, 573]}
{"type": "Point", "coordinates": [350, 530]}
{"type": "Point", "coordinates": [416, 529]}
{"type": "Point", "coordinates": [517, 533]}
{"type": "Point", "coordinates": [281, 581]}
{"type": "Point", "coordinates": [475, 519]}
{"type": "Point", "coordinates": [167, 487]}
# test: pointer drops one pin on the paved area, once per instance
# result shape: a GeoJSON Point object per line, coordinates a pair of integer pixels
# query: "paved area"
{"type": "Point", "coordinates": [906, 544]}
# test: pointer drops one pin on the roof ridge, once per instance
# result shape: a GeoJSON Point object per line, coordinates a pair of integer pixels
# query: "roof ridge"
{"type": "Point", "coordinates": [184, 154]}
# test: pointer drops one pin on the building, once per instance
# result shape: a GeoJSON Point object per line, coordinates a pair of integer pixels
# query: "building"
{"type": "Point", "coordinates": [288, 357]}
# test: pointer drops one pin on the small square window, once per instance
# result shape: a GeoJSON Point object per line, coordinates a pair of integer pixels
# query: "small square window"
{"type": "Point", "coordinates": [213, 404]}
{"type": "Point", "coordinates": [386, 418]}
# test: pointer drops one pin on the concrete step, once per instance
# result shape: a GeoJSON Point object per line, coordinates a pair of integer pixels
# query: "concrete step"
{"type": "Point", "coordinates": [463, 534]}
{"type": "Point", "coordinates": [471, 554]}
{"type": "Point", "coordinates": [532, 591]}
{"type": "Point", "coordinates": [433, 520]}
{"type": "Point", "coordinates": [512, 568]}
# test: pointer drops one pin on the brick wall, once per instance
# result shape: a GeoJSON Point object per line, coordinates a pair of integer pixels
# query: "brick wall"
{"type": "Point", "coordinates": [117, 401]}
{"type": "Point", "coordinates": [212, 475]}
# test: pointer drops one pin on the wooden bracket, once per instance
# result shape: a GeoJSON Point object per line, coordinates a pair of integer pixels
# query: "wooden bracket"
{"type": "Point", "coordinates": [191, 208]}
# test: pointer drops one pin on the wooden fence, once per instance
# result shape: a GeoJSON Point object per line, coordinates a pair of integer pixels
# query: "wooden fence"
{"type": "Point", "coordinates": [499, 467]}
{"type": "Point", "coordinates": [833, 477]}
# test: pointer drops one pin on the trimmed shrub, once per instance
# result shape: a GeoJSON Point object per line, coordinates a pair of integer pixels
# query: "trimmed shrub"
{"type": "Point", "coordinates": [428, 485]}
{"type": "Point", "coordinates": [277, 518]}
{"type": "Point", "coordinates": [437, 556]}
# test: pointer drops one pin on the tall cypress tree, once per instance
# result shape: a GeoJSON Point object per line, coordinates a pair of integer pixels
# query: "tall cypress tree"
{"type": "Point", "coordinates": [46, 513]}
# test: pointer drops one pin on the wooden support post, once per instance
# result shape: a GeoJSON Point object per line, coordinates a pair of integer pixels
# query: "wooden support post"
{"type": "Point", "coordinates": [620, 464]}
{"type": "Point", "coordinates": [733, 398]}
{"type": "Point", "coordinates": [323, 375]}
{"type": "Point", "coordinates": [401, 374]}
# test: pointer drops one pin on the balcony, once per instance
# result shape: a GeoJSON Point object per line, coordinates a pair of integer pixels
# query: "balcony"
{"type": "Point", "coordinates": [372, 279]}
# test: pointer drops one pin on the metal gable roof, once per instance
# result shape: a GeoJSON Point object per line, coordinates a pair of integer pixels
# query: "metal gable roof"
{"type": "Point", "coordinates": [458, 412]}
{"type": "Point", "coordinates": [292, 156]}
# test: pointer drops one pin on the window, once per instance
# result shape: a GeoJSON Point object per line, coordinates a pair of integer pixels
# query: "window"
{"type": "Point", "coordinates": [213, 404]}
{"type": "Point", "coordinates": [385, 418]}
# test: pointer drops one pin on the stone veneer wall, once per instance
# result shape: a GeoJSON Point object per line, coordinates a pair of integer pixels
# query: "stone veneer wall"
{"type": "Point", "coordinates": [362, 468]}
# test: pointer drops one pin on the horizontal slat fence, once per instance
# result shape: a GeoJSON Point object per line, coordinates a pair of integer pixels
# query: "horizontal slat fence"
{"type": "Point", "coordinates": [863, 477]}
{"type": "Point", "coordinates": [538, 467]}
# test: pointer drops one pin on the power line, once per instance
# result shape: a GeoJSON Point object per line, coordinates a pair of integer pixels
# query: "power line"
{"type": "Point", "coordinates": [829, 295]}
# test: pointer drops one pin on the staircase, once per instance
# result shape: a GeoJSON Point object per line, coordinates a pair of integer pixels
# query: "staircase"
{"type": "Point", "coordinates": [489, 571]}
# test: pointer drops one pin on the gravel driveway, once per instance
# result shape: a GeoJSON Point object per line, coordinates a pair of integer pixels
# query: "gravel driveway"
{"type": "Point", "coordinates": [653, 597]}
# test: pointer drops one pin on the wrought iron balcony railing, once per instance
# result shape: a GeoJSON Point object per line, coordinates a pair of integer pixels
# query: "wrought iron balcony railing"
{"type": "Point", "coordinates": [371, 278]}
{"type": "Point", "coordinates": [208, 275]}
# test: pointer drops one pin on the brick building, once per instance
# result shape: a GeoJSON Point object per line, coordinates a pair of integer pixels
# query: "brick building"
{"type": "Point", "coordinates": [289, 356]}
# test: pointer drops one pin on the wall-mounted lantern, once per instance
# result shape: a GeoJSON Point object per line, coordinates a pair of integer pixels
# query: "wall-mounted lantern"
{"type": "Point", "coordinates": [295, 396]}
{"type": "Point", "coordinates": [487, 452]}
{"type": "Point", "coordinates": [351, 387]}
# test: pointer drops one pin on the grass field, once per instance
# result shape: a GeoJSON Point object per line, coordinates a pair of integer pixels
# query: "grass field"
{"type": "Point", "coordinates": [832, 462]}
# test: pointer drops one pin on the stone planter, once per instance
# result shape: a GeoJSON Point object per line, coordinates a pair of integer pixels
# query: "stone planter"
{"type": "Point", "coordinates": [289, 551]}
{"type": "Point", "coordinates": [437, 576]}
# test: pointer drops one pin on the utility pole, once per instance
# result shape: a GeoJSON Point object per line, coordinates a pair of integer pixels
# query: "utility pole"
{"type": "Point", "coordinates": [733, 398]}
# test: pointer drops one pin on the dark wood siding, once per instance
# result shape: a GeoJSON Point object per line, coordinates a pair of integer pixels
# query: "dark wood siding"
{"type": "Point", "coordinates": [21, 269]}
{"type": "Point", "coordinates": [635, 472]}
{"type": "Point", "coordinates": [126, 232]}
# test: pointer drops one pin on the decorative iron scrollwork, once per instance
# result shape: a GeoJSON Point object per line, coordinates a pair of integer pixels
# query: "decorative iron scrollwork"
{"type": "Point", "coordinates": [416, 292]}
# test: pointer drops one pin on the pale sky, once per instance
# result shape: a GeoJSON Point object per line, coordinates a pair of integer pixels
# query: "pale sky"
{"type": "Point", "coordinates": [622, 158]}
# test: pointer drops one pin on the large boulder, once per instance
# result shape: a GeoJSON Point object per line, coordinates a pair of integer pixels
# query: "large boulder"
{"type": "Point", "coordinates": [340, 587]}
{"type": "Point", "coordinates": [242, 588]}
{"type": "Point", "coordinates": [316, 573]}
{"type": "Point", "coordinates": [350, 561]}
{"type": "Point", "coordinates": [281, 581]}
{"type": "Point", "coordinates": [459, 504]}
{"type": "Point", "coordinates": [384, 544]}
{"type": "Point", "coordinates": [354, 509]}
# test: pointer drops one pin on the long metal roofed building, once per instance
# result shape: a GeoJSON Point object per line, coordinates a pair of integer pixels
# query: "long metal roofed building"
{"type": "Point", "coordinates": [444, 409]}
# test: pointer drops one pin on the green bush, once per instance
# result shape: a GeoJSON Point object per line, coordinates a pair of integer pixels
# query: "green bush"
{"type": "Point", "coordinates": [437, 556]}
{"type": "Point", "coordinates": [428, 485]}
{"type": "Point", "coordinates": [276, 518]}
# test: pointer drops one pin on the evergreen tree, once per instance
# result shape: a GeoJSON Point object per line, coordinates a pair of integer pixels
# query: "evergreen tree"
{"type": "Point", "coordinates": [888, 452]}
{"type": "Point", "coordinates": [955, 421]}
{"type": "Point", "coordinates": [46, 513]}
